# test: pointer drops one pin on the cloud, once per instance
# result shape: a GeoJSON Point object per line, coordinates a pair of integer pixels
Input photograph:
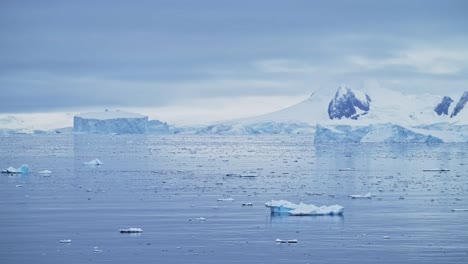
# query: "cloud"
{"type": "Point", "coordinates": [284, 66]}
{"type": "Point", "coordinates": [423, 60]}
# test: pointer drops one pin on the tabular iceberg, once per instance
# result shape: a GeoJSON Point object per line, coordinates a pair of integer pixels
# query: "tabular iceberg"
{"type": "Point", "coordinates": [109, 122]}
{"type": "Point", "coordinates": [302, 209]}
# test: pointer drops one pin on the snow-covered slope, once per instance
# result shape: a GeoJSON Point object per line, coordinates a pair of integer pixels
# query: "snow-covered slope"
{"type": "Point", "coordinates": [350, 115]}
{"type": "Point", "coordinates": [110, 122]}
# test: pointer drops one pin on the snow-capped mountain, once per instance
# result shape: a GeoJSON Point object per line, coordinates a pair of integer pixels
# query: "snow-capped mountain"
{"type": "Point", "coordinates": [348, 103]}
{"type": "Point", "coordinates": [461, 104]}
{"type": "Point", "coordinates": [350, 115]}
{"type": "Point", "coordinates": [443, 107]}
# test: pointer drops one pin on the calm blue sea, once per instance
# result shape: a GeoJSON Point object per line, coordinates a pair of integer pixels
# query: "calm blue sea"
{"type": "Point", "coordinates": [162, 184]}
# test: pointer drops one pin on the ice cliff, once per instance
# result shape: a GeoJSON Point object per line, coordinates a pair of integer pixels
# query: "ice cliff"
{"type": "Point", "coordinates": [108, 122]}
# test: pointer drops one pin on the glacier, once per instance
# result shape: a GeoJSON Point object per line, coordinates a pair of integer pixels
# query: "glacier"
{"type": "Point", "coordinates": [382, 133]}
{"type": "Point", "coordinates": [108, 122]}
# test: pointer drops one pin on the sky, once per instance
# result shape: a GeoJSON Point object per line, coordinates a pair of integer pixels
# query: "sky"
{"type": "Point", "coordinates": [183, 60]}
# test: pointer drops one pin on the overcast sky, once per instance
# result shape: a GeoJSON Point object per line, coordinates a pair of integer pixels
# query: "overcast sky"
{"type": "Point", "coordinates": [76, 55]}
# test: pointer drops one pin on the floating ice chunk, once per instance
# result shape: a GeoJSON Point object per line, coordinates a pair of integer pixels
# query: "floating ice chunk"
{"type": "Point", "coordinates": [131, 230]}
{"type": "Point", "coordinates": [280, 206]}
{"type": "Point", "coordinates": [95, 162]}
{"type": "Point", "coordinates": [10, 170]}
{"type": "Point", "coordinates": [386, 237]}
{"type": "Point", "coordinates": [249, 175]}
{"type": "Point", "coordinates": [290, 241]}
{"type": "Point", "coordinates": [225, 199]}
{"type": "Point", "coordinates": [459, 210]}
{"type": "Point", "coordinates": [65, 241]}
{"type": "Point", "coordinates": [310, 209]}
{"type": "Point", "coordinates": [97, 250]}
{"type": "Point", "coordinates": [45, 172]}
{"type": "Point", "coordinates": [347, 169]}
{"type": "Point", "coordinates": [302, 209]}
{"type": "Point", "coordinates": [201, 219]}
{"type": "Point", "coordinates": [23, 169]}
{"type": "Point", "coordinates": [437, 170]}
{"type": "Point", "coordinates": [361, 196]}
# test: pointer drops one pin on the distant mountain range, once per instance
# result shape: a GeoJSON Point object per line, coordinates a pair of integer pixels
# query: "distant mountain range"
{"type": "Point", "coordinates": [344, 115]}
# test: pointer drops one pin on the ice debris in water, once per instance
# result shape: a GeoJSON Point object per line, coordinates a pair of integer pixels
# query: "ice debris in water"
{"type": "Point", "coordinates": [437, 170]}
{"type": "Point", "coordinates": [361, 196]}
{"type": "Point", "coordinates": [131, 230]}
{"type": "Point", "coordinates": [45, 172]}
{"type": "Point", "coordinates": [225, 199]}
{"type": "Point", "coordinates": [290, 241]}
{"type": "Point", "coordinates": [347, 169]}
{"type": "Point", "coordinates": [65, 241]}
{"type": "Point", "coordinates": [459, 210]}
{"type": "Point", "coordinates": [303, 209]}
{"type": "Point", "coordinates": [201, 219]}
{"type": "Point", "coordinates": [95, 162]}
{"type": "Point", "coordinates": [97, 250]}
{"type": "Point", "coordinates": [23, 169]}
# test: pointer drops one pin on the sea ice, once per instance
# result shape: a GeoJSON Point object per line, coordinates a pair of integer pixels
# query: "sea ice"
{"type": "Point", "coordinates": [23, 169]}
{"type": "Point", "coordinates": [65, 241]}
{"type": "Point", "coordinates": [303, 209]}
{"type": "Point", "coordinates": [95, 162]}
{"type": "Point", "coordinates": [361, 196]}
{"type": "Point", "coordinates": [225, 199]}
{"type": "Point", "coordinates": [131, 230]}
{"type": "Point", "coordinates": [45, 172]}
{"type": "Point", "coordinates": [289, 241]}
{"type": "Point", "coordinates": [437, 169]}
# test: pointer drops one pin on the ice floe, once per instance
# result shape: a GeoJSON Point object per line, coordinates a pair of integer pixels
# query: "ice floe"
{"type": "Point", "coordinates": [225, 199]}
{"type": "Point", "coordinates": [23, 169]}
{"type": "Point", "coordinates": [95, 162]}
{"type": "Point", "coordinates": [302, 209]}
{"type": "Point", "coordinates": [437, 170]}
{"type": "Point", "coordinates": [289, 241]}
{"type": "Point", "coordinates": [65, 241]}
{"type": "Point", "coordinates": [459, 210]}
{"type": "Point", "coordinates": [361, 196]}
{"type": "Point", "coordinates": [131, 230]}
{"type": "Point", "coordinates": [45, 172]}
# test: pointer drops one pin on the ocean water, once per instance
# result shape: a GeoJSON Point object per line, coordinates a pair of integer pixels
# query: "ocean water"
{"type": "Point", "coordinates": [162, 184]}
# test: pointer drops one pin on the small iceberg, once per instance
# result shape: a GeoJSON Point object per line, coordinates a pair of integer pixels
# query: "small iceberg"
{"type": "Point", "coordinates": [131, 230]}
{"type": "Point", "coordinates": [65, 241]}
{"type": "Point", "coordinates": [225, 199]}
{"type": "Point", "coordinates": [361, 196]}
{"type": "Point", "coordinates": [23, 169]}
{"type": "Point", "coordinates": [95, 162]}
{"type": "Point", "coordinates": [200, 219]}
{"type": "Point", "coordinates": [347, 169]}
{"type": "Point", "coordinates": [302, 209]}
{"type": "Point", "coordinates": [437, 170]}
{"type": "Point", "coordinates": [289, 241]}
{"type": "Point", "coordinates": [45, 172]}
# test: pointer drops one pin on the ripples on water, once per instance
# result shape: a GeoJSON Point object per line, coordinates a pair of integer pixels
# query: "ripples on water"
{"type": "Point", "coordinates": [163, 183]}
